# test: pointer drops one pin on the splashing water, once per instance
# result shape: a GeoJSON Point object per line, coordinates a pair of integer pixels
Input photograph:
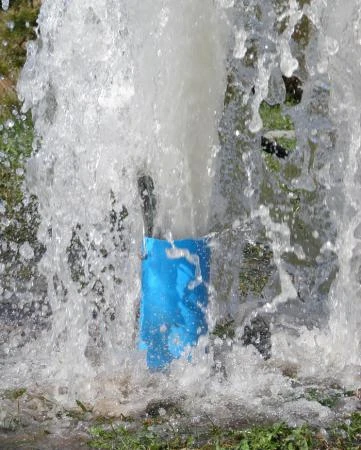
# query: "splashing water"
{"type": "Point", "coordinates": [178, 91]}
{"type": "Point", "coordinates": [5, 4]}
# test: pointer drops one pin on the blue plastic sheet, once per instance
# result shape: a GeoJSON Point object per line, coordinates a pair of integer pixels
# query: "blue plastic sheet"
{"type": "Point", "coordinates": [174, 298]}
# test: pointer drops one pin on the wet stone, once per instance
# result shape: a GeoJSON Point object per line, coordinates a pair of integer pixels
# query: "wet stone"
{"type": "Point", "coordinates": [162, 407]}
{"type": "Point", "coordinates": [258, 334]}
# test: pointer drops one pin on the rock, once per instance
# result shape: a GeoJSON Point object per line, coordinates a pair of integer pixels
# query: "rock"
{"type": "Point", "coordinates": [258, 334]}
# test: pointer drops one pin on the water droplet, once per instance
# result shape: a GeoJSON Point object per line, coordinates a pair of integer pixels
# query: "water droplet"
{"type": "Point", "coordinates": [240, 44]}
{"type": "Point", "coordinates": [332, 46]}
{"type": "Point", "coordinates": [9, 123]}
{"type": "Point", "coordinates": [5, 4]}
{"type": "Point", "coordinates": [26, 251]}
{"type": "Point", "coordinates": [162, 412]}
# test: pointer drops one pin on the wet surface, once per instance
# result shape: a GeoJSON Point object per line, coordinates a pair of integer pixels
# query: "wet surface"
{"type": "Point", "coordinates": [42, 441]}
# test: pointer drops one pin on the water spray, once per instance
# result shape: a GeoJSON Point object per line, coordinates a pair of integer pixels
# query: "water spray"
{"type": "Point", "coordinates": [174, 298]}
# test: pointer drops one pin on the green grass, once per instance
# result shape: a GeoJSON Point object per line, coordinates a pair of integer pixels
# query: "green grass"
{"type": "Point", "coordinates": [121, 438]}
{"type": "Point", "coordinates": [278, 436]}
{"type": "Point", "coordinates": [343, 436]}
{"type": "Point", "coordinates": [329, 398]}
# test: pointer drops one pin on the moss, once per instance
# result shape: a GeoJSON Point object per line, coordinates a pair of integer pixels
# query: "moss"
{"type": "Point", "coordinates": [296, 195]}
{"type": "Point", "coordinates": [224, 329]}
{"type": "Point", "coordinates": [252, 281]}
{"type": "Point", "coordinates": [255, 269]}
{"type": "Point", "coordinates": [288, 144]}
{"type": "Point", "coordinates": [231, 93]}
{"type": "Point", "coordinates": [291, 171]}
{"type": "Point", "coordinates": [302, 32]}
{"type": "Point", "coordinates": [251, 56]}
{"type": "Point", "coordinates": [294, 91]}
{"type": "Point", "coordinates": [8, 104]}
{"type": "Point", "coordinates": [313, 150]}
{"type": "Point", "coordinates": [274, 119]}
{"type": "Point", "coordinates": [325, 287]}
{"type": "Point", "coordinates": [19, 228]}
{"type": "Point", "coordinates": [273, 164]}
{"type": "Point", "coordinates": [258, 12]}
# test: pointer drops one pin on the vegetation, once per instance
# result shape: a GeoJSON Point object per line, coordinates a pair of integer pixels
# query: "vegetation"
{"type": "Point", "coordinates": [14, 394]}
{"type": "Point", "coordinates": [16, 138]}
{"type": "Point", "coordinates": [22, 218]}
{"type": "Point", "coordinates": [16, 28]}
{"type": "Point", "coordinates": [279, 436]}
{"type": "Point", "coordinates": [255, 270]}
{"type": "Point", "coordinates": [273, 118]}
{"type": "Point", "coordinates": [16, 129]}
{"type": "Point", "coordinates": [224, 329]}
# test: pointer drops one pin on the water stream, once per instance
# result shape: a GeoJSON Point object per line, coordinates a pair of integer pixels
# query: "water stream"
{"type": "Point", "coordinates": [186, 93]}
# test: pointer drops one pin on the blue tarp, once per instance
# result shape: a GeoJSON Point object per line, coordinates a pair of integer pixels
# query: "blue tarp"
{"type": "Point", "coordinates": [174, 298]}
